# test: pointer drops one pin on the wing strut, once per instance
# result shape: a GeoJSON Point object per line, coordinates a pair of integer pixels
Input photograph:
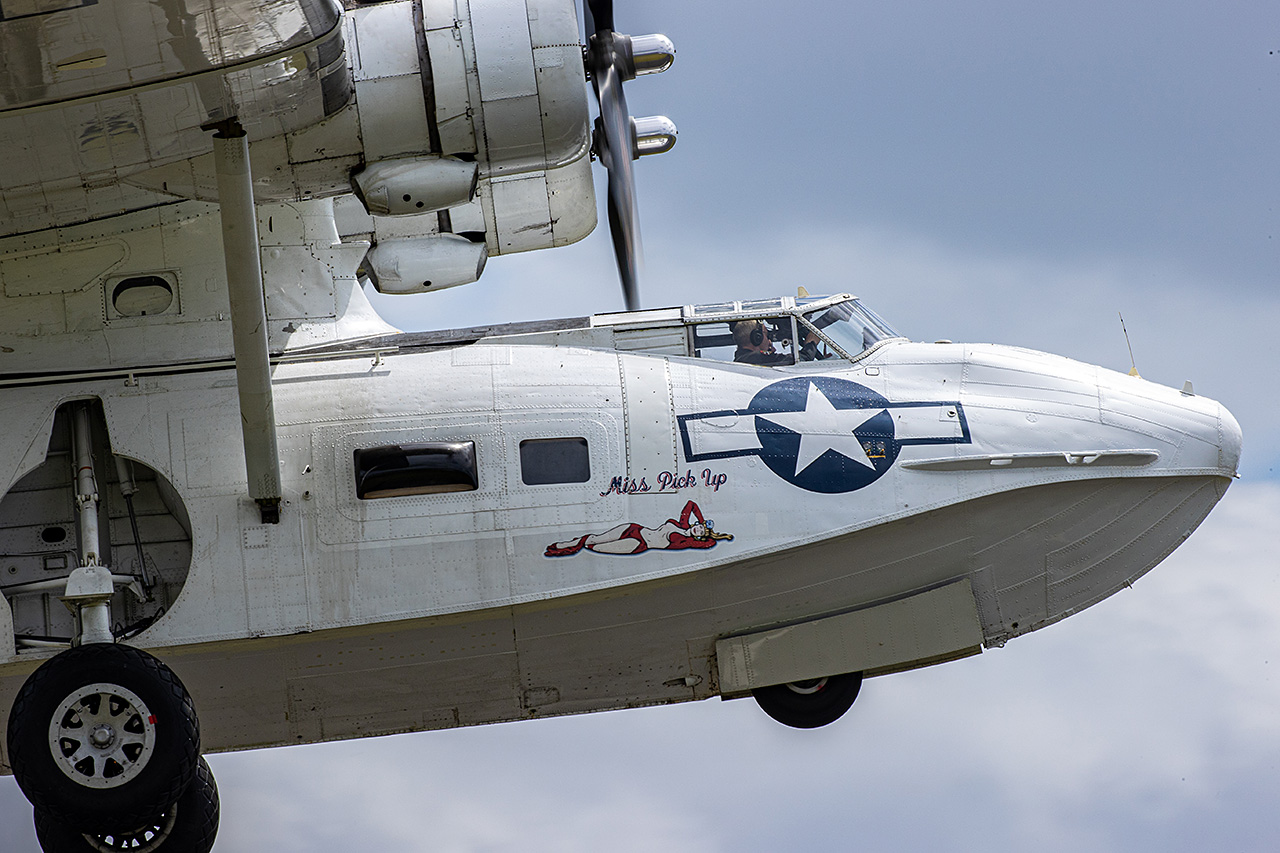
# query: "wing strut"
{"type": "Point", "coordinates": [248, 316]}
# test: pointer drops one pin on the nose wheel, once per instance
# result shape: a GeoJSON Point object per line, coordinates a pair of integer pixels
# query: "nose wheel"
{"type": "Point", "coordinates": [104, 738]}
{"type": "Point", "coordinates": [812, 703]}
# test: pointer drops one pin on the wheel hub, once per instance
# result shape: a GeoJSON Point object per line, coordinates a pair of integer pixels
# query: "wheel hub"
{"type": "Point", "coordinates": [807, 688]}
{"type": "Point", "coordinates": [102, 735]}
{"type": "Point", "coordinates": [144, 839]}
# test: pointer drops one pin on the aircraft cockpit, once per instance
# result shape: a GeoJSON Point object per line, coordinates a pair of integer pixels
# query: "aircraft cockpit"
{"type": "Point", "coordinates": [785, 330]}
{"type": "Point", "coordinates": [782, 331]}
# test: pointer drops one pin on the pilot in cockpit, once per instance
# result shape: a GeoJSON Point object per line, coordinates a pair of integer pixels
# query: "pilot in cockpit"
{"type": "Point", "coordinates": [755, 344]}
{"type": "Point", "coordinates": [811, 348]}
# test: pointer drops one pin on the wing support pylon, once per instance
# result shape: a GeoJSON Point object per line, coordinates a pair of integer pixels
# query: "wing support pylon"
{"type": "Point", "coordinates": [248, 316]}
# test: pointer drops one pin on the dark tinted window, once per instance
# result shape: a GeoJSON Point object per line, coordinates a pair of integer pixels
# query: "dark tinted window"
{"type": "Point", "coordinates": [142, 295]}
{"type": "Point", "coordinates": [429, 468]}
{"type": "Point", "coordinates": [554, 460]}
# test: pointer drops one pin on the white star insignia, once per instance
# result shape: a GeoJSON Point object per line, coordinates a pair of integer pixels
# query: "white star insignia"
{"type": "Point", "coordinates": [823, 427]}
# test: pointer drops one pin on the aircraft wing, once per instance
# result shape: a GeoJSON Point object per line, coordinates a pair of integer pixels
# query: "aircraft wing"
{"type": "Point", "coordinates": [107, 108]}
{"type": "Point", "coordinates": [401, 142]}
{"type": "Point", "coordinates": [93, 95]}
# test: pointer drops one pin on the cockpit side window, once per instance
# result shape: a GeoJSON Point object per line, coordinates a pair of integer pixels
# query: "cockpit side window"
{"type": "Point", "coordinates": [813, 346]}
{"type": "Point", "coordinates": [763, 341]}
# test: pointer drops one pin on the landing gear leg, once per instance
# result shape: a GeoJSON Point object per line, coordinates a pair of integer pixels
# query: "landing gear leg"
{"type": "Point", "coordinates": [89, 588]}
{"type": "Point", "coordinates": [103, 738]}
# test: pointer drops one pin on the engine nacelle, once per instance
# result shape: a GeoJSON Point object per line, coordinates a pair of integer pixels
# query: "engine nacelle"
{"type": "Point", "coordinates": [415, 185]}
{"type": "Point", "coordinates": [423, 264]}
{"type": "Point", "coordinates": [474, 108]}
{"type": "Point", "coordinates": [506, 90]}
{"type": "Point", "coordinates": [507, 82]}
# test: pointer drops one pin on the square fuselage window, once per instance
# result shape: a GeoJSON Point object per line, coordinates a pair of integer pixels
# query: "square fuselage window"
{"type": "Point", "coordinates": [428, 468]}
{"type": "Point", "coordinates": [544, 461]}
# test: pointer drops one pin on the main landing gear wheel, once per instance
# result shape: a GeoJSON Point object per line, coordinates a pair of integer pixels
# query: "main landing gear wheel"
{"type": "Point", "coordinates": [103, 737]}
{"type": "Point", "coordinates": [188, 826]}
{"type": "Point", "coordinates": [810, 704]}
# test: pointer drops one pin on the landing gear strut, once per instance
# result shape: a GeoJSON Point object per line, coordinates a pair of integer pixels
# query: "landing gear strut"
{"type": "Point", "coordinates": [810, 704]}
{"type": "Point", "coordinates": [104, 739]}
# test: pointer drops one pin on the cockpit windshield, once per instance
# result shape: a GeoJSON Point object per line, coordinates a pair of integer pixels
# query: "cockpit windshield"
{"type": "Point", "coordinates": [782, 331]}
{"type": "Point", "coordinates": [850, 325]}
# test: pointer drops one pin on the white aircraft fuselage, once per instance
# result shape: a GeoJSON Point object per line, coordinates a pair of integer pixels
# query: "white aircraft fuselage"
{"type": "Point", "coordinates": [905, 507]}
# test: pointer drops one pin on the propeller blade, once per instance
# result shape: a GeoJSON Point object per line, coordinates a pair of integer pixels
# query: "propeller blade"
{"type": "Point", "coordinates": [626, 245]}
{"type": "Point", "coordinates": [610, 62]}
{"type": "Point", "coordinates": [617, 152]}
{"type": "Point", "coordinates": [599, 16]}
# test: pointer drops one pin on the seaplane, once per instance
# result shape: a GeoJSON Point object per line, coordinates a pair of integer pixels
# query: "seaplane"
{"type": "Point", "coordinates": [240, 509]}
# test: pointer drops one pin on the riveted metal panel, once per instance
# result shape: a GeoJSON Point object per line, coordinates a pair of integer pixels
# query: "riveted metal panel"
{"type": "Point", "coordinates": [275, 575]}
{"type": "Point", "coordinates": [504, 51]}
{"type": "Point", "coordinates": [666, 341]}
{"type": "Point", "coordinates": [394, 116]}
{"type": "Point", "coordinates": [449, 78]}
{"type": "Point", "coordinates": [572, 200]}
{"type": "Point", "coordinates": [1082, 571]}
{"type": "Point", "coordinates": [385, 38]}
{"type": "Point", "coordinates": [651, 433]}
{"type": "Point", "coordinates": [522, 217]}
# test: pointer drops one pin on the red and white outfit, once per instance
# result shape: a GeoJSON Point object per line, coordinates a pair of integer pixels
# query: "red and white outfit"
{"type": "Point", "coordinates": [671, 535]}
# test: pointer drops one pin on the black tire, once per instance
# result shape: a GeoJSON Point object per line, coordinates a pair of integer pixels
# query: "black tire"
{"type": "Point", "coordinates": [810, 704]}
{"type": "Point", "coordinates": [192, 825]}
{"type": "Point", "coordinates": [122, 784]}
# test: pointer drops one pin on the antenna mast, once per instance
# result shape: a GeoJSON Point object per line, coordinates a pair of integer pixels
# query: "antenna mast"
{"type": "Point", "coordinates": [1133, 365]}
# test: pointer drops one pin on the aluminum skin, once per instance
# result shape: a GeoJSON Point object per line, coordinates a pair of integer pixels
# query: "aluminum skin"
{"type": "Point", "coordinates": [439, 610]}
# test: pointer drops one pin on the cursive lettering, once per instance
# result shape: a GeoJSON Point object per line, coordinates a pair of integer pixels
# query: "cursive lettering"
{"type": "Point", "coordinates": [626, 486]}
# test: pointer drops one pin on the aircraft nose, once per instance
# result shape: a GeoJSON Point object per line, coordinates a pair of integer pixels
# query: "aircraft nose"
{"type": "Point", "coordinates": [1230, 440]}
{"type": "Point", "coordinates": [1193, 434]}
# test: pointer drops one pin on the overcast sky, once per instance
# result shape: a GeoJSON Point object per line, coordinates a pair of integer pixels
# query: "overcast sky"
{"type": "Point", "coordinates": [981, 171]}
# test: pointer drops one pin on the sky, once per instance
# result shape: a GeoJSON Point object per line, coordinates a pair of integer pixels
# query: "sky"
{"type": "Point", "coordinates": [983, 171]}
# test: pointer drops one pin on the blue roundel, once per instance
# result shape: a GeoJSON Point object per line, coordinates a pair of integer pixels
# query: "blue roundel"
{"type": "Point", "coordinates": [824, 434]}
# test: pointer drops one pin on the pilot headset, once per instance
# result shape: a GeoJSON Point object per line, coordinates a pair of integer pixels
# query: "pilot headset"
{"type": "Point", "coordinates": [748, 332]}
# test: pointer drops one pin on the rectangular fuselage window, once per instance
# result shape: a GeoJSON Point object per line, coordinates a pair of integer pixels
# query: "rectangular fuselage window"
{"type": "Point", "coordinates": [554, 460]}
{"type": "Point", "coordinates": [429, 468]}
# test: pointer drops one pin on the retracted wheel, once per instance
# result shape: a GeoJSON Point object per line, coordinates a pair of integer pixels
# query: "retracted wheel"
{"type": "Point", "coordinates": [810, 704]}
{"type": "Point", "coordinates": [188, 826]}
{"type": "Point", "coordinates": [103, 737]}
